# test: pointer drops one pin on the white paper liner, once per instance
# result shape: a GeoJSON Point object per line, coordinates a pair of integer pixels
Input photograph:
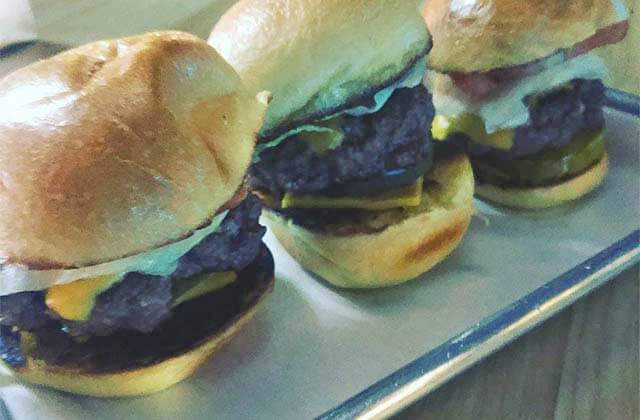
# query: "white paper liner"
{"type": "Point", "coordinates": [160, 261]}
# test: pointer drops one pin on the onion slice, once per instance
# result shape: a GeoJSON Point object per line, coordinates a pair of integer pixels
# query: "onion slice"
{"type": "Point", "coordinates": [160, 261]}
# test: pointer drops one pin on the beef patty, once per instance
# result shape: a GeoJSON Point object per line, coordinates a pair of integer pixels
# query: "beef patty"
{"type": "Point", "coordinates": [189, 325]}
{"type": "Point", "coordinates": [397, 136]}
{"type": "Point", "coordinates": [555, 118]}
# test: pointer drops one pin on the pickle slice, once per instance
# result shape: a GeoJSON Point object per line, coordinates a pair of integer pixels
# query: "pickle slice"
{"type": "Point", "coordinates": [551, 164]}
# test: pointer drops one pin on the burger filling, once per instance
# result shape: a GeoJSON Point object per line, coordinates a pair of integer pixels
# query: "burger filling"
{"type": "Point", "coordinates": [534, 124]}
{"type": "Point", "coordinates": [561, 139]}
{"type": "Point", "coordinates": [99, 323]}
{"type": "Point", "coordinates": [379, 163]}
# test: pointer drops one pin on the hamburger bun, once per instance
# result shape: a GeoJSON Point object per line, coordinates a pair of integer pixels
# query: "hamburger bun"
{"type": "Point", "coordinates": [319, 56]}
{"type": "Point", "coordinates": [544, 197]}
{"type": "Point", "coordinates": [119, 146]}
{"type": "Point", "coordinates": [481, 35]}
{"type": "Point", "coordinates": [411, 243]}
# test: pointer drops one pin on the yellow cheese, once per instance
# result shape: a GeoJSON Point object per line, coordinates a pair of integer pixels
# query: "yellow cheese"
{"type": "Point", "coordinates": [74, 301]}
{"type": "Point", "coordinates": [472, 126]}
{"type": "Point", "coordinates": [191, 288]}
{"type": "Point", "coordinates": [409, 196]}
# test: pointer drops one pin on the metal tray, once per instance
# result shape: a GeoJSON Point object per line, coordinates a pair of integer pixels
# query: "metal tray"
{"type": "Point", "coordinates": [313, 347]}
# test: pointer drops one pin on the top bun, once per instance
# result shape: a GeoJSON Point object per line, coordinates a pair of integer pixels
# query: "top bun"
{"type": "Point", "coordinates": [481, 35]}
{"type": "Point", "coordinates": [319, 56]}
{"type": "Point", "coordinates": [117, 147]}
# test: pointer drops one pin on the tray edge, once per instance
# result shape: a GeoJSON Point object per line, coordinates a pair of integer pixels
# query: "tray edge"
{"type": "Point", "coordinates": [434, 368]}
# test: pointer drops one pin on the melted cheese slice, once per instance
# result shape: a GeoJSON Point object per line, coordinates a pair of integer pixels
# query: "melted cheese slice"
{"type": "Point", "coordinates": [409, 196]}
{"type": "Point", "coordinates": [74, 301]}
{"type": "Point", "coordinates": [472, 126]}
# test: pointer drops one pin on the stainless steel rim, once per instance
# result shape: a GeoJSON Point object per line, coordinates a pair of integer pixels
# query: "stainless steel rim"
{"type": "Point", "coordinates": [437, 366]}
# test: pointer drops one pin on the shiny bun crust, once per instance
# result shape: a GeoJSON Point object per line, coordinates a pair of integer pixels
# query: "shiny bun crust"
{"type": "Point", "coordinates": [480, 35]}
{"type": "Point", "coordinates": [317, 55]}
{"type": "Point", "coordinates": [545, 197]}
{"type": "Point", "coordinates": [141, 381]}
{"type": "Point", "coordinates": [117, 147]}
{"type": "Point", "coordinates": [403, 250]}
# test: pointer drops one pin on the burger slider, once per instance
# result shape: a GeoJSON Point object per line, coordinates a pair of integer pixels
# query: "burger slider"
{"type": "Point", "coordinates": [355, 189]}
{"type": "Point", "coordinates": [129, 248]}
{"type": "Point", "coordinates": [516, 82]}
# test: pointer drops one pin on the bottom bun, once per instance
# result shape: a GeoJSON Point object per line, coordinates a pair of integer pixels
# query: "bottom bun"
{"type": "Point", "coordinates": [151, 378]}
{"type": "Point", "coordinates": [549, 196]}
{"type": "Point", "coordinates": [410, 243]}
